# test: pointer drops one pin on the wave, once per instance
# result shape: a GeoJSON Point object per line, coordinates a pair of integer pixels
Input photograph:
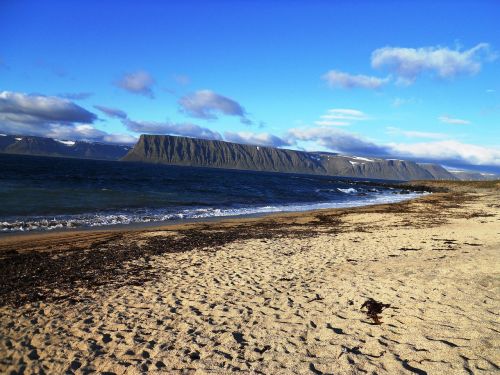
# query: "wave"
{"type": "Point", "coordinates": [168, 215]}
{"type": "Point", "coordinates": [347, 191]}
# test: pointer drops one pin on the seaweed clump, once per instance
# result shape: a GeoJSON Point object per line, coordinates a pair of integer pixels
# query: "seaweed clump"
{"type": "Point", "coordinates": [373, 309]}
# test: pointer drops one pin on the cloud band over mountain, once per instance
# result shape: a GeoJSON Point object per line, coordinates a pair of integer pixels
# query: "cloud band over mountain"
{"type": "Point", "coordinates": [50, 116]}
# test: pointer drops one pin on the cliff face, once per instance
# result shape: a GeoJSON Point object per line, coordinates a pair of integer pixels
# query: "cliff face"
{"type": "Point", "coordinates": [218, 154]}
{"type": "Point", "coordinates": [389, 169]}
{"type": "Point", "coordinates": [28, 145]}
{"type": "Point", "coordinates": [438, 172]}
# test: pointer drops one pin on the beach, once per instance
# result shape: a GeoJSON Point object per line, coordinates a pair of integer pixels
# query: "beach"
{"type": "Point", "coordinates": [280, 294]}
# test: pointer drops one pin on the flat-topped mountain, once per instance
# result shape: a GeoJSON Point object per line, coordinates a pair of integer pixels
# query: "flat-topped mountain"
{"type": "Point", "coordinates": [30, 145]}
{"type": "Point", "coordinates": [165, 149]}
{"type": "Point", "coordinates": [183, 151]}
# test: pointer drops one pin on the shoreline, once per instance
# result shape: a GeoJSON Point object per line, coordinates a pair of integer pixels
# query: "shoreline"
{"type": "Point", "coordinates": [78, 244]}
{"type": "Point", "coordinates": [210, 219]}
{"type": "Point", "coordinates": [279, 293]}
{"type": "Point", "coordinates": [180, 224]}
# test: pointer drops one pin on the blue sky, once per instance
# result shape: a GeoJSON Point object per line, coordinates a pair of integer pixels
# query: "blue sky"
{"type": "Point", "coordinates": [411, 79]}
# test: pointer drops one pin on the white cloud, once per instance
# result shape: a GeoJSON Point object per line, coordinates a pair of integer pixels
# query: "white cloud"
{"type": "Point", "coordinates": [345, 114]}
{"type": "Point", "coordinates": [331, 123]}
{"type": "Point", "coordinates": [454, 121]}
{"type": "Point", "coordinates": [415, 134]}
{"type": "Point", "coordinates": [112, 112]}
{"type": "Point", "coordinates": [449, 150]}
{"type": "Point", "coordinates": [335, 78]}
{"type": "Point", "coordinates": [336, 140]}
{"type": "Point", "coordinates": [207, 104]}
{"type": "Point", "coordinates": [261, 139]}
{"type": "Point", "coordinates": [354, 144]}
{"type": "Point", "coordinates": [76, 95]}
{"type": "Point", "coordinates": [398, 102]}
{"type": "Point", "coordinates": [139, 82]}
{"type": "Point", "coordinates": [181, 129]}
{"type": "Point", "coordinates": [341, 117]}
{"type": "Point", "coordinates": [85, 132]}
{"type": "Point", "coordinates": [196, 131]}
{"type": "Point", "coordinates": [119, 138]}
{"type": "Point", "coordinates": [26, 108]}
{"type": "Point", "coordinates": [82, 131]}
{"type": "Point", "coordinates": [409, 63]}
{"type": "Point", "coordinates": [48, 116]}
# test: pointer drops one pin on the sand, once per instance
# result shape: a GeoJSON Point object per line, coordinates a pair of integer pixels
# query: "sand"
{"type": "Point", "coordinates": [276, 295]}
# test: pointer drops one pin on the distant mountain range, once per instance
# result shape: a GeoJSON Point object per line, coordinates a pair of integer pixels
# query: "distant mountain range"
{"type": "Point", "coordinates": [164, 149]}
{"type": "Point", "coordinates": [474, 176]}
{"type": "Point", "coordinates": [183, 151]}
{"type": "Point", "coordinates": [29, 145]}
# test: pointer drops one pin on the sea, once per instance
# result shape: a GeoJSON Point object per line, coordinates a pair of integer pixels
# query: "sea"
{"type": "Point", "coordinates": [45, 193]}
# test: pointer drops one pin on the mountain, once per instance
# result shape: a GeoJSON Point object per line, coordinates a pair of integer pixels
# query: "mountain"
{"type": "Point", "coordinates": [218, 154]}
{"type": "Point", "coordinates": [29, 145]}
{"type": "Point", "coordinates": [388, 169]}
{"type": "Point", "coordinates": [475, 176]}
{"type": "Point", "coordinates": [172, 150]}
{"type": "Point", "coordinates": [185, 151]}
{"type": "Point", "coordinates": [438, 172]}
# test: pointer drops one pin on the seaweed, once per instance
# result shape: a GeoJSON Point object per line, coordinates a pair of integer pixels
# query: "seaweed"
{"type": "Point", "coordinates": [373, 309]}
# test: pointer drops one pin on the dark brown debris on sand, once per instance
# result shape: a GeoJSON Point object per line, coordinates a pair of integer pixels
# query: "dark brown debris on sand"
{"type": "Point", "coordinates": [80, 263]}
{"type": "Point", "coordinates": [374, 308]}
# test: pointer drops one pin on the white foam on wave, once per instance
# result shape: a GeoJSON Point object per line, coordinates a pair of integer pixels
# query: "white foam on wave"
{"type": "Point", "coordinates": [160, 215]}
{"type": "Point", "coordinates": [347, 191]}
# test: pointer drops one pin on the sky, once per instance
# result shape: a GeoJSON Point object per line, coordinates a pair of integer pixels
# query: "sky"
{"type": "Point", "coordinates": [415, 80]}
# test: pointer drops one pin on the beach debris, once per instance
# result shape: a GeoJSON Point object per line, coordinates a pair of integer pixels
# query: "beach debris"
{"type": "Point", "coordinates": [316, 298]}
{"type": "Point", "coordinates": [347, 350]}
{"type": "Point", "coordinates": [356, 350]}
{"type": "Point", "coordinates": [314, 370]}
{"type": "Point", "coordinates": [410, 249]}
{"type": "Point", "coordinates": [338, 331]}
{"type": "Point", "coordinates": [374, 308]}
{"type": "Point", "coordinates": [194, 356]}
{"type": "Point", "coordinates": [160, 365]}
{"type": "Point", "coordinates": [264, 349]}
{"type": "Point", "coordinates": [239, 338]}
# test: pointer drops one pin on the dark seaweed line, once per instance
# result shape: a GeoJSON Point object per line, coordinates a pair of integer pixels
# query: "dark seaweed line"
{"type": "Point", "coordinates": [66, 274]}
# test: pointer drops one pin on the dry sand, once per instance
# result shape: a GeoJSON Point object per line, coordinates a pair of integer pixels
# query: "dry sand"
{"type": "Point", "coordinates": [277, 295]}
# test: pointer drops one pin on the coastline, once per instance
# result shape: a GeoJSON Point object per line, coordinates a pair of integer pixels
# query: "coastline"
{"type": "Point", "coordinates": [327, 262]}
{"type": "Point", "coordinates": [7, 238]}
{"type": "Point", "coordinates": [67, 223]}
{"type": "Point", "coordinates": [258, 212]}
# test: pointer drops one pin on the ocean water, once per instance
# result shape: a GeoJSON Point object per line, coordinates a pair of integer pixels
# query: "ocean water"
{"type": "Point", "coordinates": [42, 193]}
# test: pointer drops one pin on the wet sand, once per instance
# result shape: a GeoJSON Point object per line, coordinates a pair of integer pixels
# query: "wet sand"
{"type": "Point", "coordinates": [280, 294]}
